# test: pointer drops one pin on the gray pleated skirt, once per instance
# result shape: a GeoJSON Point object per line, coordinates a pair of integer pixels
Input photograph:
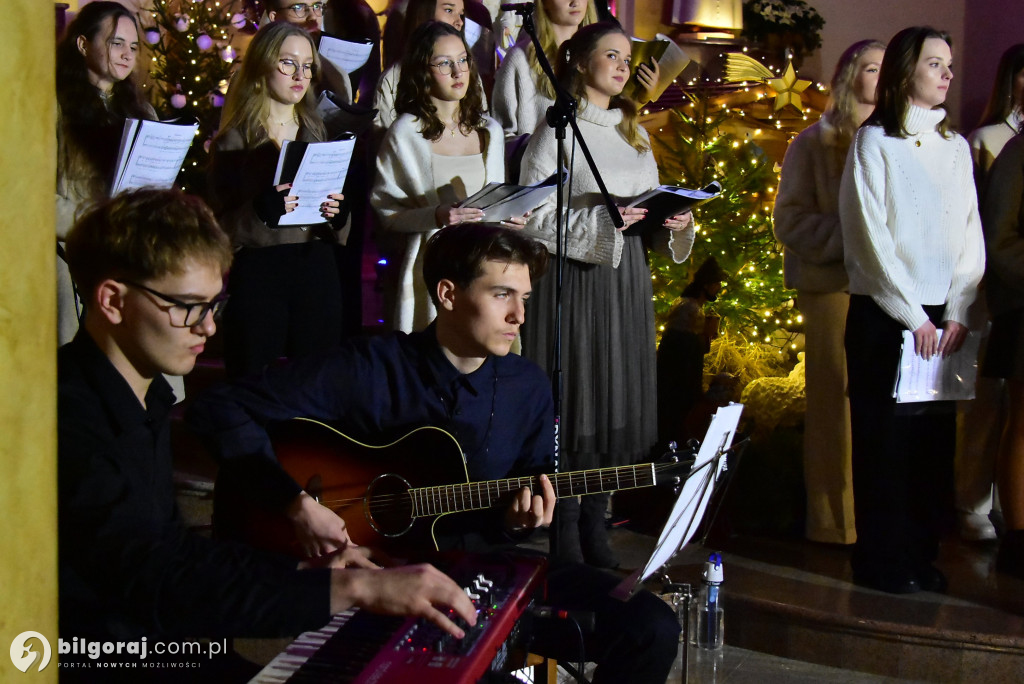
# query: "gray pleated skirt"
{"type": "Point", "coordinates": [609, 411]}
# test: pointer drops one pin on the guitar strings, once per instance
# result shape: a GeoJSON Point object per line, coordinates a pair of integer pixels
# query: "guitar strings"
{"type": "Point", "coordinates": [460, 491]}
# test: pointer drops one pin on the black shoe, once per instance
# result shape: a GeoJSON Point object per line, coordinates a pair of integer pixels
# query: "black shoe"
{"type": "Point", "coordinates": [930, 578]}
{"type": "Point", "coordinates": [1010, 558]}
{"type": "Point", "coordinates": [890, 581]}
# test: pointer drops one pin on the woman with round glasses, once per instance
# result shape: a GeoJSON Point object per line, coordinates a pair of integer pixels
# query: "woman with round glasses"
{"type": "Point", "coordinates": [95, 94]}
{"type": "Point", "coordinates": [418, 13]}
{"type": "Point", "coordinates": [608, 349]}
{"type": "Point", "coordinates": [285, 296]}
{"type": "Point", "coordinates": [441, 150]}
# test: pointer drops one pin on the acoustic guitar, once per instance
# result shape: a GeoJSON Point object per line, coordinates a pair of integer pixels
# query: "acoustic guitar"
{"type": "Point", "coordinates": [392, 495]}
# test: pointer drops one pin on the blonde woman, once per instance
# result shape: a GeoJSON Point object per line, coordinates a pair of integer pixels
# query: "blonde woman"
{"type": "Point", "coordinates": [807, 224]}
{"type": "Point", "coordinates": [522, 93]}
{"type": "Point", "coordinates": [285, 295]}
{"type": "Point", "coordinates": [609, 415]}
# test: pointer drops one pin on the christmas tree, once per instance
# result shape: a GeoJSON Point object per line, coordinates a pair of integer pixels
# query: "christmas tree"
{"type": "Point", "coordinates": [191, 62]}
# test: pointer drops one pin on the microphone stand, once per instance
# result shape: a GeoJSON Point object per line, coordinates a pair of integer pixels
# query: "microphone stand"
{"type": "Point", "coordinates": [559, 115]}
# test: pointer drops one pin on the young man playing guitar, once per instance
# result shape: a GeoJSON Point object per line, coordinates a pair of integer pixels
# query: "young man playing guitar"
{"type": "Point", "coordinates": [458, 375]}
{"type": "Point", "coordinates": [150, 265]}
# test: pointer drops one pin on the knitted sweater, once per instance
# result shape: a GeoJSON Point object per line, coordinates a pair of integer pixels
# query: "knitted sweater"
{"type": "Point", "coordinates": [988, 141]}
{"type": "Point", "coordinates": [1002, 212]}
{"type": "Point", "coordinates": [807, 211]}
{"type": "Point", "coordinates": [909, 214]}
{"type": "Point", "coordinates": [591, 237]}
{"type": "Point", "coordinates": [405, 197]}
{"type": "Point", "coordinates": [518, 106]}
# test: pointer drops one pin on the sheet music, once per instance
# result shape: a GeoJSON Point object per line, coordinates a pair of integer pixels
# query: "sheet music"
{"type": "Point", "coordinates": [500, 201]}
{"type": "Point", "coordinates": [151, 154]}
{"type": "Point", "coordinates": [344, 54]}
{"type": "Point", "coordinates": [693, 499]}
{"type": "Point", "coordinates": [938, 379]}
{"type": "Point", "coordinates": [321, 172]}
{"type": "Point", "coordinates": [471, 30]}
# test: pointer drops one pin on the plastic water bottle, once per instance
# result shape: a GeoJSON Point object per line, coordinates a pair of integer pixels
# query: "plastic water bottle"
{"type": "Point", "coordinates": [710, 627]}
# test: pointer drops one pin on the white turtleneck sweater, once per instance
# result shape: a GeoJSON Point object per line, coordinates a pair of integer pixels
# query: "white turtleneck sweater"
{"type": "Point", "coordinates": [591, 236]}
{"type": "Point", "coordinates": [909, 215]}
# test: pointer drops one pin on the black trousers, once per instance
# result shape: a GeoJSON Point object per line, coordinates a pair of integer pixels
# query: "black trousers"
{"type": "Point", "coordinates": [902, 453]}
{"type": "Point", "coordinates": [285, 302]}
{"type": "Point", "coordinates": [634, 642]}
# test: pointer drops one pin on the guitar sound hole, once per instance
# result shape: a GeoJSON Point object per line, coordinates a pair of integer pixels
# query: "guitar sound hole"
{"type": "Point", "coordinates": [388, 505]}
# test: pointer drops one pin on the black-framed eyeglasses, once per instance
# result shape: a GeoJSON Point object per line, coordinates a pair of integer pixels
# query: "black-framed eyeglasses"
{"type": "Point", "coordinates": [288, 67]}
{"type": "Point", "coordinates": [185, 314]}
{"type": "Point", "coordinates": [446, 66]}
{"type": "Point", "coordinates": [301, 10]}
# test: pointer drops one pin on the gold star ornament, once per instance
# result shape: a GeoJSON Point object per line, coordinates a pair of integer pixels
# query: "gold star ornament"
{"type": "Point", "coordinates": [788, 89]}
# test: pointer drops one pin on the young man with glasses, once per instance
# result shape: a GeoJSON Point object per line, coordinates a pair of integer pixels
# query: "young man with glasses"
{"type": "Point", "coordinates": [150, 265]}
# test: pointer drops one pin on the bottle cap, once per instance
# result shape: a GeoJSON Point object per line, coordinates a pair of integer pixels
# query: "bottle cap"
{"type": "Point", "coordinates": [713, 569]}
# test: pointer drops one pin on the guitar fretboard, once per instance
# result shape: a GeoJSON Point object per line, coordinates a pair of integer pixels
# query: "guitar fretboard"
{"type": "Point", "coordinates": [430, 501]}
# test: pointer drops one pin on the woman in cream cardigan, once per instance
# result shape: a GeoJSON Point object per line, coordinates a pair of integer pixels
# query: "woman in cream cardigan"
{"type": "Point", "coordinates": [440, 150]}
{"type": "Point", "coordinates": [609, 415]}
{"type": "Point", "coordinates": [807, 224]}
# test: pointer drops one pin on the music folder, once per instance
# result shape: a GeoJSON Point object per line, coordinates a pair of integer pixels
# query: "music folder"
{"type": "Point", "coordinates": [315, 170]}
{"type": "Point", "coordinates": [152, 152]}
{"type": "Point", "coordinates": [692, 501]}
{"type": "Point", "coordinates": [669, 200]}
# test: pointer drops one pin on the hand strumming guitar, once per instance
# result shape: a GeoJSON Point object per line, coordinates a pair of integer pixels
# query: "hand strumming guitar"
{"type": "Point", "coordinates": [319, 530]}
{"type": "Point", "coordinates": [529, 510]}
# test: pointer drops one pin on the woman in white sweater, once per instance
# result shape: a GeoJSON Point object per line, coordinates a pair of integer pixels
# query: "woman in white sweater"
{"type": "Point", "coordinates": [522, 93]}
{"type": "Point", "coordinates": [609, 415]}
{"type": "Point", "coordinates": [440, 150]}
{"type": "Point", "coordinates": [914, 255]}
{"type": "Point", "coordinates": [807, 223]}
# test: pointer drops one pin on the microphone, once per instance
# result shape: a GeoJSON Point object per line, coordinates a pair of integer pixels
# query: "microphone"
{"type": "Point", "coordinates": [518, 7]}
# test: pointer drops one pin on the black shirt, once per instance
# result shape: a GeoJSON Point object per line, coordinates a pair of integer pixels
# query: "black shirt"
{"type": "Point", "coordinates": [128, 567]}
{"type": "Point", "coordinates": [377, 390]}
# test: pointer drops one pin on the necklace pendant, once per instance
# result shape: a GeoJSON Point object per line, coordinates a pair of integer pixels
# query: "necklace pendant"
{"type": "Point", "coordinates": [917, 143]}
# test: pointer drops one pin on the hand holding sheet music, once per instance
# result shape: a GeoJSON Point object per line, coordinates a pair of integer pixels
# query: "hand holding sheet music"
{"type": "Point", "coordinates": [940, 378]}
{"type": "Point", "coordinates": [151, 153]}
{"type": "Point", "coordinates": [666, 201]}
{"type": "Point", "coordinates": [501, 201]}
{"type": "Point", "coordinates": [315, 171]}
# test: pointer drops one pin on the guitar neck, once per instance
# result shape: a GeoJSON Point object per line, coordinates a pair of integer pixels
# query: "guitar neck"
{"type": "Point", "coordinates": [430, 501]}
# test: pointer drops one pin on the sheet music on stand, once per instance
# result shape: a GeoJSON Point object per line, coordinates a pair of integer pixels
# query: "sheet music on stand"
{"type": "Point", "coordinates": [693, 499]}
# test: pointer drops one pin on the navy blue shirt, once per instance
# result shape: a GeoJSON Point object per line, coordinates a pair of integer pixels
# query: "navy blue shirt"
{"type": "Point", "coordinates": [377, 390]}
{"type": "Point", "coordinates": [128, 567]}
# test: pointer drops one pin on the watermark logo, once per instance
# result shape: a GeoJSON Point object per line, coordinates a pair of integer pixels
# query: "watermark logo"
{"type": "Point", "coordinates": [22, 654]}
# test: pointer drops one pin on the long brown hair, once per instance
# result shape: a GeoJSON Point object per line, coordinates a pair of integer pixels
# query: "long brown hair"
{"type": "Point", "coordinates": [546, 36]}
{"type": "Point", "coordinates": [1000, 102]}
{"type": "Point", "coordinates": [896, 77]}
{"type": "Point", "coordinates": [247, 105]}
{"type": "Point", "coordinates": [575, 53]}
{"type": "Point", "coordinates": [413, 93]}
{"type": "Point", "coordinates": [89, 126]}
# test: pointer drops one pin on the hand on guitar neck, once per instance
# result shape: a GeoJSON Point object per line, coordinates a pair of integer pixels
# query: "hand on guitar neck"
{"type": "Point", "coordinates": [528, 510]}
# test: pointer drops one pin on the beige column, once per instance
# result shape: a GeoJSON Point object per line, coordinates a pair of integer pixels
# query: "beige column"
{"type": "Point", "coordinates": [28, 419]}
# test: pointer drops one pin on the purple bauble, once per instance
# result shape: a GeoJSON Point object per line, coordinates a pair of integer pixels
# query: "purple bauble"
{"type": "Point", "coordinates": [152, 36]}
{"type": "Point", "coordinates": [204, 42]}
{"type": "Point", "coordinates": [178, 101]}
{"type": "Point", "coordinates": [238, 20]}
{"type": "Point", "coordinates": [181, 23]}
